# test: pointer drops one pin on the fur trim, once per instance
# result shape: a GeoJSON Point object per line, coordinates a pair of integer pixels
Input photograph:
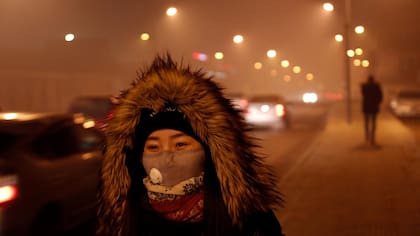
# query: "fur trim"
{"type": "Point", "coordinates": [247, 184]}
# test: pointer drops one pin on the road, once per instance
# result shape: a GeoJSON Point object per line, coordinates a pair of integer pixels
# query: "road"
{"type": "Point", "coordinates": [283, 146]}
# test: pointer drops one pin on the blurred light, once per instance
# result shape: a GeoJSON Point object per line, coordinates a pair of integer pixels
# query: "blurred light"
{"type": "Point", "coordinates": [265, 108]}
{"type": "Point", "coordinates": [339, 38]}
{"type": "Point", "coordinates": [216, 74]}
{"type": "Point", "coordinates": [238, 39]}
{"type": "Point", "coordinates": [358, 51]}
{"type": "Point", "coordinates": [171, 11]}
{"type": "Point", "coordinates": [365, 63]}
{"type": "Point", "coordinates": [285, 63]}
{"type": "Point", "coordinates": [296, 69]}
{"type": "Point", "coordinates": [89, 124]}
{"type": "Point", "coordinates": [69, 37]}
{"type": "Point", "coordinates": [271, 53]}
{"type": "Point", "coordinates": [258, 65]}
{"type": "Point", "coordinates": [359, 29]}
{"type": "Point", "coordinates": [328, 6]}
{"type": "Point", "coordinates": [309, 76]}
{"type": "Point", "coordinates": [310, 97]}
{"type": "Point", "coordinates": [350, 53]}
{"type": "Point", "coordinates": [145, 36]}
{"type": "Point", "coordinates": [287, 78]}
{"type": "Point", "coordinates": [357, 62]}
{"type": "Point", "coordinates": [199, 56]}
{"type": "Point", "coordinates": [218, 55]}
{"type": "Point", "coordinates": [7, 193]}
{"type": "Point", "coordinates": [78, 118]}
{"type": "Point", "coordinates": [273, 73]}
{"type": "Point", "coordinates": [10, 116]}
{"type": "Point", "coordinates": [87, 156]}
{"type": "Point", "coordinates": [279, 110]}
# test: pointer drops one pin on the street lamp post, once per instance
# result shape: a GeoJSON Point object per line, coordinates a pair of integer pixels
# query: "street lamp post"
{"type": "Point", "coordinates": [347, 61]}
{"type": "Point", "coordinates": [346, 34]}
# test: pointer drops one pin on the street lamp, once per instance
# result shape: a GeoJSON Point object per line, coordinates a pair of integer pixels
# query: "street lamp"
{"type": "Point", "coordinates": [330, 7]}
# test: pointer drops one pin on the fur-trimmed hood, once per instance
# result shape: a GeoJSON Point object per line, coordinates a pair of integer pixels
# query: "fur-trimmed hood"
{"type": "Point", "coordinates": [247, 184]}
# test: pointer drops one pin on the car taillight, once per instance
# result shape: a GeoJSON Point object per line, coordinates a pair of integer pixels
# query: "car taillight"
{"type": "Point", "coordinates": [8, 188]}
{"type": "Point", "coordinates": [243, 103]}
{"type": "Point", "coordinates": [7, 193]}
{"type": "Point", "coordinates": [280, 110]}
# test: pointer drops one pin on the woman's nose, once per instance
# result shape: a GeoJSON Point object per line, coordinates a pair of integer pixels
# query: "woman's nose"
{"type": "Point", "coordinates": [169, 158]}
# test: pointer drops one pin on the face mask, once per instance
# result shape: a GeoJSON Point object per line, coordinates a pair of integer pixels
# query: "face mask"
{"type": "Point", "coordinates": [169, 168]}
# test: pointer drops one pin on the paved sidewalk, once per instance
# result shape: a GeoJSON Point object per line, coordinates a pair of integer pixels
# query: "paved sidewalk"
{"type": "Point", "coordinates": [342, 186]}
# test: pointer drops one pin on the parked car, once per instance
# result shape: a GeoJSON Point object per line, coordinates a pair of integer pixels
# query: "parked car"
{"type": "Point", "coordinates": [269, 111]}
{"type": "Point", "coordinates": [405, 103]}
{"type": "Point", "coordinates": [97, 107]}
{"type": "Point", "coordinates": [49, 165]}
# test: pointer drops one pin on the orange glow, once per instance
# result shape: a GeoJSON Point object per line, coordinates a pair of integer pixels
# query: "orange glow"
{"type": "Point", "coordinates": [7, 193]}
{"type": "Point", "coordinates": [280, 110]}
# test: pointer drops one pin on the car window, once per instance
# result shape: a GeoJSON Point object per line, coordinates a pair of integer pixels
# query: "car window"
{"type": "Point", "coordinates": [68, 140]}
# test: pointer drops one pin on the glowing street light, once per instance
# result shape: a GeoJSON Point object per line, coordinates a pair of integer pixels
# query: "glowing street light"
{"type": "Point", "coordinates": [218, 55]}
{"type": "Point", "coordinates": [339, 38]}
{"type": "Point", "coordinates": [287, 78]}
{"type": "Point", "coordinates": [309, 76]}
{"type": "Point", "coordinates": [357, 62]}
{"type": "Point", "coordinates": [271, 53]}
{"type": "Point", "coordinates": [238, 39]}
{"type": "Point", "coordinates": [285, 63]}
{"type": "Point", "coordinates": [258, 65]}
{"type": "Point", "coordinates": [145, 36]}
{"type": "Point", "coordinates": [359, 29]}
{"type": "Point", "coordinates": [296, 69]}
{"type": "Point", "coordinates": [328, 6]}
{"type": "Point", "coordinates": [358, 51]}
{"type": "Point", "coordinates": [171, 11]}
{"type": "Point", "coordinates": [365, 63]}
{"type": "Point", "coordinates": [350, 53]}
{"type": "Point", "coordinates": [69, 37]}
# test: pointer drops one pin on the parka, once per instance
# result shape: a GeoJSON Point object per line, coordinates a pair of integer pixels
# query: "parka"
{"type": "Point", "coordinates": [240, 193]}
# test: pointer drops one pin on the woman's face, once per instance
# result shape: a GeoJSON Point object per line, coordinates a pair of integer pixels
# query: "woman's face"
{"type": "Point", "coordinates": [169, 140]}
{"type": "Point", "coordinates": [171, 156]}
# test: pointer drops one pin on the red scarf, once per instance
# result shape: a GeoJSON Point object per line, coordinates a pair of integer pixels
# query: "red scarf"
{"type": "Point", "coordinates": [188, 208]}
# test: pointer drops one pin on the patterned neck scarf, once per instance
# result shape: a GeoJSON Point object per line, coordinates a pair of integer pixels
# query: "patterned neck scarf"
{"type": "Point", "coordinates": [181, 203]}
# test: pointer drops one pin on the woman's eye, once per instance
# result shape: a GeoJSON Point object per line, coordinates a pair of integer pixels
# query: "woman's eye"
{"type": "Point", "coordinates": [181, 145]}
{"type": "Point", "coordinates": [151, 148]}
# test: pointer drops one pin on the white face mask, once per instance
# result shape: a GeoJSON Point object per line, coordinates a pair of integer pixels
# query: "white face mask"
{"type": "Point", "coordinates": [169, 168]}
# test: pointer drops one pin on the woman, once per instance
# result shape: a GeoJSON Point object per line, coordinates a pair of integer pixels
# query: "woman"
{"type": "Point", "coordinates": [179, 161]}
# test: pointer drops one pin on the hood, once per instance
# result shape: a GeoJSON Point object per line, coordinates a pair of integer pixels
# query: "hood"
{"type": "Point", "coordinates": [246, 183]}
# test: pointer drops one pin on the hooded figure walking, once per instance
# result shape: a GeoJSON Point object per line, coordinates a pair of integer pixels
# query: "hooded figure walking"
{"type": "Point", "coordinates": [371, 99]}
{"type": "Point", "coordinates": [179, 161]}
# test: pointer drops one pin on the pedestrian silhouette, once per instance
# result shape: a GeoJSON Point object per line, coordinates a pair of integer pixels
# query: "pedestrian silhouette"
{"type": "Point", "coordinates": [371, 99]}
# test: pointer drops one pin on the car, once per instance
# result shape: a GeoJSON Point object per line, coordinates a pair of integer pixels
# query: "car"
{"type": "Point", "coordinates": [98, 107]}
{"type": "Point", "coordinates": [238, 100]}
{"type": "Point", "coordinates": [270, 111]}
{"type": "Point", "coordinates": [49, 166]}
{"type": "Point", "coordinates": [405, 103]}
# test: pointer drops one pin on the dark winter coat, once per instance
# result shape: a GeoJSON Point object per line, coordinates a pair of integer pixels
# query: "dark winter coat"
{"type": "Point", "coordinates": [371, 97]}
{"type": "Point", "coordinates": [239, 189]}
